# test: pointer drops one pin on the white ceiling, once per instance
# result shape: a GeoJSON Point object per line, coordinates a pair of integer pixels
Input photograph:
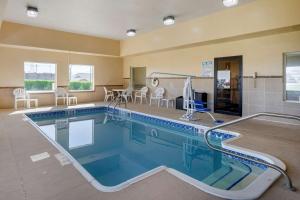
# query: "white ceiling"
{"type": "Point", "coordinates": [108, 18]}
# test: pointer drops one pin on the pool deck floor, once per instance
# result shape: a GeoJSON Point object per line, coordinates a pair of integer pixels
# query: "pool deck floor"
{"type": "Point", "coordinates": [22, 179]}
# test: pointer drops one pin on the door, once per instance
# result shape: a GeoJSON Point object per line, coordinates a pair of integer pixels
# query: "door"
{"type": "Point", "coordinates": [228, 85]}
{"type": "Point", "coordinates": [138, 77]}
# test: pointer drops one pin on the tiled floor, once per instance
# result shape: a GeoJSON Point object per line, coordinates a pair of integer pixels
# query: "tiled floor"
{"type": "Point", "coordinates": [22, 179]}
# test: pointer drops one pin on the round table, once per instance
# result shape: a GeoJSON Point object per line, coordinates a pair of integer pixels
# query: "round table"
{"type": "Point", "coordinates": [119, 91]}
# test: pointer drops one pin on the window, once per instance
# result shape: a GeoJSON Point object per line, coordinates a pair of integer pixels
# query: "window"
{"type": "Point", "coordinates": [39, 76]}
{"type": "Point", "coordinates": [81, 77]}
{"type": "Point", "coordinates": [292, 76]}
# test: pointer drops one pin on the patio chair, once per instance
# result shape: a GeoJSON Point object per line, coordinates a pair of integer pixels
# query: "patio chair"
{"type": "Point", "coordinates": [20, 95]}
{"type": "Point", "coordinates": [61, 93]}
{"type": "Point", "coordinates": [108, 94]}
{"type": "Point", "coordinates": [141, 94]}
{"type": "Point", "coordinates": [127, 94]}
{"type": "Point", "coordinates": [158, 95]}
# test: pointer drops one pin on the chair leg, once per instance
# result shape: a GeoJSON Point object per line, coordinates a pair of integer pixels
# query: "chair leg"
{"type": "Point", "coordinates": [16, 104]}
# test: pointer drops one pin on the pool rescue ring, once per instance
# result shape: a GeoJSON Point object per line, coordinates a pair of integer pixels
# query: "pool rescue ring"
{"type": "Point", "coordinates": [155, 82]}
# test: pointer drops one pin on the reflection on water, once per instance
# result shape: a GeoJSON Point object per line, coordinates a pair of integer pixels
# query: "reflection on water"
{"type": "Point", "coordinates": [114, 149]}
{"type": "Point", "coordinates": [81, 133]}
{"type": "Point", "coordinates": [50, 131]}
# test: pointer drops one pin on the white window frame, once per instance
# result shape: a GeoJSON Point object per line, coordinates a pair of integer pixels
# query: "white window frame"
{"type": "Point", "coordinates": [41, 91]}
{"type": "Point", "coordinates": [284, 76]}
{"type": "Point", "coordinates": [92, 78]}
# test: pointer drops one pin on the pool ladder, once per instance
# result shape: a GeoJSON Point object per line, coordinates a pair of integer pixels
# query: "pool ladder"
{"type": "Point", "coordinates": [116, 102]}
{"type": "Point", "coordinates": [223, 150]}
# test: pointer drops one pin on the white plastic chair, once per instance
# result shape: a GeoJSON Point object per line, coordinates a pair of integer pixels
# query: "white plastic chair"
{"type": "Point", "coordinates": [158, 95]}
{"type": "Point", "coordinates": [140, 94]}
{"type": "Point", "coordinates": [127, 94]}
{"type": "Point", "coordinates": [108, 94]}
{"type": "Point", "coordinates": [20, 95]}
{"type": "Point", "coordinates": [61, 93]}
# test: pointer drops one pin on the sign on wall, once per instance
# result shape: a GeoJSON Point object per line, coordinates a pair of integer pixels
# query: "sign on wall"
{"type": "Point", "coordinates": [207, 68]}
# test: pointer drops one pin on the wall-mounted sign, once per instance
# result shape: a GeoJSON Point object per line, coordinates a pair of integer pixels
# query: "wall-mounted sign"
{"type": "Point", "coordinates": [207, 69]}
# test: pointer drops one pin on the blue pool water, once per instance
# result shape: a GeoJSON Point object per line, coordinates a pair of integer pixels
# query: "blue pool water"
{"type": "Point", "coordinates": [116, 147]}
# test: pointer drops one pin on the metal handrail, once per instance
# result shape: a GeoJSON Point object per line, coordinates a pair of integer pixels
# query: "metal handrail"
{"type": "Point", "coordinates": [173, 74]}
{"type": "Point", "coordinates": [116, 101]}
{"type": "Point", "coordinates": [223, 150]}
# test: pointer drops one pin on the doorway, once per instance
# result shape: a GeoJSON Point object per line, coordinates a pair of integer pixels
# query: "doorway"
{"type": "Point", "coordinates": [138, 77]}
{"type": "Point", "coordinates": [228, 85]}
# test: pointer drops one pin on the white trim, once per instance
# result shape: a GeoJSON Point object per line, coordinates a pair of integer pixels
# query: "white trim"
{"type": "Point", "coordinates": [40, 91]}
{"type": "Point", "coordinates": [254, 190]}
{"type": "Point", "coordinates": [74, 91]}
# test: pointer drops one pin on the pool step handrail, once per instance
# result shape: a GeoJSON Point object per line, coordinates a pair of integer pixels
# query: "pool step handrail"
{"type": "Point", "coordinates": [110, 103]}
{"type": "Point", "coordinates": [116, 102]}
{"type": "Point", "coordinates": [223, 150]}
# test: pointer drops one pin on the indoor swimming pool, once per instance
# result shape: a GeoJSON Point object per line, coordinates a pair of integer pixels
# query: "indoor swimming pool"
{"type": "Point", "coordinates": [115, 148]}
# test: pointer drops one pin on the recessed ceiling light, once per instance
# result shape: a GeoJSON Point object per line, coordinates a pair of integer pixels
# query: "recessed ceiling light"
{"type": "Point", "coordinates": [169, 20]}
{"type": "Point", "coordinates": [131, 32]}
{"type": "Point", "coordinates": [230, 3]}
{"type": "Point", "coordinates": [32, 11]}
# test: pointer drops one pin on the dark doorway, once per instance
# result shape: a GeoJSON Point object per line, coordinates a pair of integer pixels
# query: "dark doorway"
{"type": "Point", "coordinates": [228, 85]}
{"type": "Point", "coordinates": [138, 77]}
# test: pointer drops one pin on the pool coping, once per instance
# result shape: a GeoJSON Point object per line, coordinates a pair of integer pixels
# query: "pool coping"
{"type": "Point", "coordinates": [254, 190]}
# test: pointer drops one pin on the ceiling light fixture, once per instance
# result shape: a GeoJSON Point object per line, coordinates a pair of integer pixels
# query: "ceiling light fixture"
{"type": "Point", "coordinates": [230, 3]}
{"type": "Point", "coordinates": [169, 20]}
{"type": "Point", "coordinates": [131, 32]}
{"type": "Point", "coordinates": [32, 11]}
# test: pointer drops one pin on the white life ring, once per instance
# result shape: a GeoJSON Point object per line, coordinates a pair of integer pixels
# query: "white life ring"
{"type": "Point", "coordinates": [155, 82]}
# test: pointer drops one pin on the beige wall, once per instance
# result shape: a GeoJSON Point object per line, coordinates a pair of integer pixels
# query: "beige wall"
{"type": "Point", "coordinates": [23, 35]}
{"type": "Point", "coordinates": [261, 54]}
{"type": "Point", "coordinates": [257, 16]}
{"type": "Point", "coordinates": [260, 31]}
{"type": "Point", "coordinates": [108, 72]}
{"type": "Point", "coordinates": [20, 43]}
